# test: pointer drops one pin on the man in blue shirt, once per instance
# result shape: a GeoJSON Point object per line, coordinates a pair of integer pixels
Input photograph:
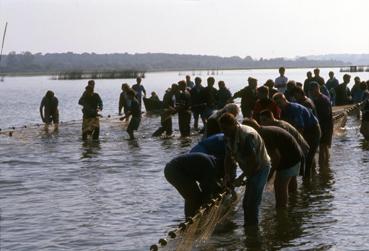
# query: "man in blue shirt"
{"type": "Point", "coordinates": [194, 177]}
{"type": "Point", "coordinates": [139, 89]}
{"type": "Point", "coordinates": [305, 122]}
{"type": "Point", "coordinates": [215, 146]}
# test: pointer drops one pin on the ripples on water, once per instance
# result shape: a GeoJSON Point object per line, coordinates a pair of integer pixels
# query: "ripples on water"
{"type": "Point", "coordinates": [58, 193]}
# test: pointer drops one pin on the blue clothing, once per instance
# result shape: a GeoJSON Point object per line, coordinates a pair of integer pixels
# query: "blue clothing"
{"type": "Point", "coordinates": [291, 171]}
{"type": "Point", "coordinates": [281, 83]}
{"type": "Point", "coordinates": [332, 83]}
{"type": "Point", "coordinates": [223, 96]}
{"type": "Point", "coordinates": [299, 116]}
{"type": "Point", "coordinates": [139, 89]}
{"type": "Point", "coordinates": [214, 145]}
{"type": "Point", "coordinates": [357, 93]}
{"type": "Point", "coordinates": [252, 199]}
{"type": "Point", "coordinates": [194, 177]}
{"type": "Point", "coordinates": [135, 108]}
{"type": "Point", "coordinates": [325, 91]}
{"type": "Point", "coordinates": [190, 84]}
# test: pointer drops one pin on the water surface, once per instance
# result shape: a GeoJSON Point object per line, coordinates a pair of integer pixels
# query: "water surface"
{"type": "Point", "coordinates": [58, 193]}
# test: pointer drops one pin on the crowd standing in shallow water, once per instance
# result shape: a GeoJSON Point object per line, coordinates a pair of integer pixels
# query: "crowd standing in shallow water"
{"type": "Point", "coordinates": [281, 132]}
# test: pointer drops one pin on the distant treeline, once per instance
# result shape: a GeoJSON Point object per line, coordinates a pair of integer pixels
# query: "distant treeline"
{"type": "Point", "coordinates": [51, 63]}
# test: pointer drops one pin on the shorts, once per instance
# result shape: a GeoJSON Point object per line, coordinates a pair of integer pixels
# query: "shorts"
{"type": "Point", "coordinates": [134, 124]}
{"type": "Point", "coordinates": [290, 172]}
{"type": "Point", "coordinates": [89, 124]}
{"type": "Point", "coordinates": [52, 118]}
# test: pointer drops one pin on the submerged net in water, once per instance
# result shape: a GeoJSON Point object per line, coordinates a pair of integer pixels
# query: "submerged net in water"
{"type": "Point", "coordinates": [199, 229]}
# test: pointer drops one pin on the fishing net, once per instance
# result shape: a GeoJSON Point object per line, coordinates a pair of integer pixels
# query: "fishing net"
{"type": "Point", "coordinates": [202, 227]}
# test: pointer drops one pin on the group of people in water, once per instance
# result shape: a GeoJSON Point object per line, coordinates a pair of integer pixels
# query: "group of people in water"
{"type": "Point", "coordinates": [285, 123]}
{"type": "Point", "coordinates": [282, 130]}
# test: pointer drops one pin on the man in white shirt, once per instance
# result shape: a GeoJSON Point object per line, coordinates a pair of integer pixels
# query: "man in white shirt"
{"type": "Point", "coordinates": [246, 147]}
{"type": "Point", "coordinates": [281, 82]}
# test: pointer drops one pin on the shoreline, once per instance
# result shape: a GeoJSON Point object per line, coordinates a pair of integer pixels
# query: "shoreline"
{"type": "Point", "coordinates": [39, 74]}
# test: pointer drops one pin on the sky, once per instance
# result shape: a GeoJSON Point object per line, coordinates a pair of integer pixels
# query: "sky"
{"type": "Point", "coordinates": [257, 28]}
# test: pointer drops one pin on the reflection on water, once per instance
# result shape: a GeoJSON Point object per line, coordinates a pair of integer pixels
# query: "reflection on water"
{"type": "Point", "coordinates": [90, 149]}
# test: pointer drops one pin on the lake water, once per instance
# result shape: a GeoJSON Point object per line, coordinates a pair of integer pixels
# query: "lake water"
{"type": "Point", "coordinates": [58, 193]}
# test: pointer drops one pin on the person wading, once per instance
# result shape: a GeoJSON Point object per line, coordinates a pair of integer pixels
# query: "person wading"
{"type": "Point", "coordinates": [92, 104]}
{"type": "Point", "coordinates": [49, 110]}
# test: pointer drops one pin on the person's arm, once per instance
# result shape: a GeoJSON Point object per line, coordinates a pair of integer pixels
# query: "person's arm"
{"type": "Point", "coordinates": [276, 111]}
{"type": "Point", "coordinates": [229, 96]}
{"type": "Point", "coordinates": [121, 102]}
{"type": "Point", "coordinates": [100, 103]}
{"type": "Point", "coordinates": [41, 110]}
{"type": "Point", "coordinates": [275, 157]}
{"type": "Point", "coordinates": [238, 94]}
{"type": "Point", "coordinates": [144, 91]}
{"type": "Point", "coordinates": [228, 166]}
{"type": "Point", "coordinates": [81, 100]}
{"type": "Point", "coordinates": [189, 103]}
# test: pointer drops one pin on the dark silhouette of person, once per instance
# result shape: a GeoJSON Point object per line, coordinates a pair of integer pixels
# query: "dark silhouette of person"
{"type": "Point", "coordinates": [248, 97]}
{"type": "Point", "coordinates": [197, 103]}
{"type": "Point", "coordinates": [183, 107]}
{"type": "Point", "coordinates": [124, 102]}
{"type": "Point", "coordinates": [135, 112]}
{"type": "Point", "coordinates": [342, 92]}
{"type": "Point", "coordinates": [169, 110]}
{"type": "Point", "coordinates": [92, 104]}
{"type": "Point", "coordinates": [139, 89]}
{"type": "Point", "coordinates": [224, 95]}
{"type": "Point", "coordinates": [49, 110]}
{"type": "Point", "coordinates": [194, 175]}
